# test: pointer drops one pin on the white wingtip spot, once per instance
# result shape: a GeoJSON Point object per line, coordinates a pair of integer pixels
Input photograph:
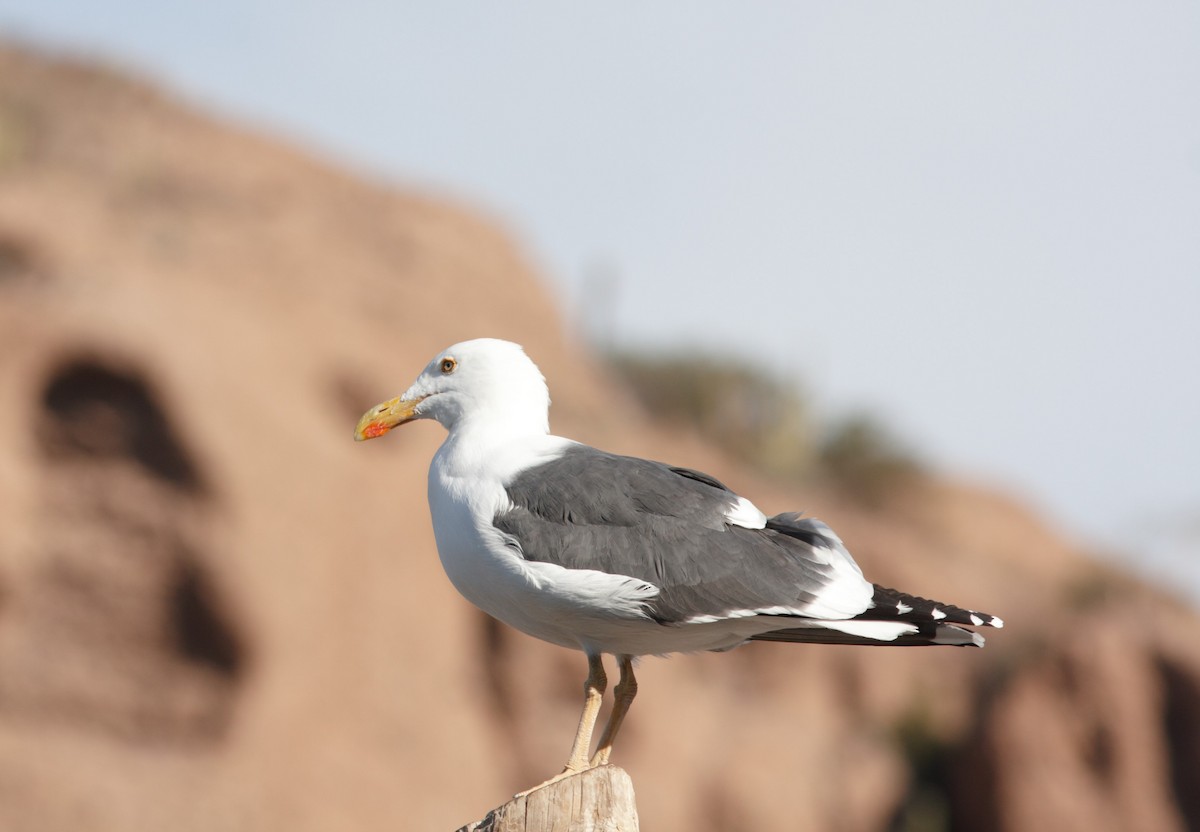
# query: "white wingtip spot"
{"type": "Point", "coordinates": [997, 622]}
{"type": "Point", "coordinates": [976, 620]}
{"type": "Point", "coordinates": [937, 614]}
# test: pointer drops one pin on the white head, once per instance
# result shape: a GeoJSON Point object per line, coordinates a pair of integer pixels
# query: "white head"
{"type": "Point", "coordinates": [482, 383]}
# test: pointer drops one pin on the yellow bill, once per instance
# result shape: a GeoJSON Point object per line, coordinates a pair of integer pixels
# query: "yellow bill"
{"type": "Point", "coordinates": [383, 417]}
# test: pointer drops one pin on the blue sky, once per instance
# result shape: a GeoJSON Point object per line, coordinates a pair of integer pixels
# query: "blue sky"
{"type": "Point", "coordinates": [979, 220]}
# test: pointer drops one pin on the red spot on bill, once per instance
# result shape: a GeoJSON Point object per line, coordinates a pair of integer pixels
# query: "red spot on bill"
{"type": "Point", "coordinates": [374, 429]}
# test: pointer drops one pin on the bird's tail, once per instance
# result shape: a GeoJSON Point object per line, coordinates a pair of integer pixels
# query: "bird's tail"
{"type": "Point", "coordinates": [894, 619]}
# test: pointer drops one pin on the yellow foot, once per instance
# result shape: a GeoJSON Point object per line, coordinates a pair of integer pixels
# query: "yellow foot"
{"type": "Point", "coordinates": [563, 775]}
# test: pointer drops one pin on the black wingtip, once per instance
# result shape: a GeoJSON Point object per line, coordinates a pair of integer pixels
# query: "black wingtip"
{"type": "Point", "coordinates": [891, 604]}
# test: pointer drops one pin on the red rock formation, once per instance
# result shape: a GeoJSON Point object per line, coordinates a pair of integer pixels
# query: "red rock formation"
{"type": "Point", "coordinates": [217, 612]}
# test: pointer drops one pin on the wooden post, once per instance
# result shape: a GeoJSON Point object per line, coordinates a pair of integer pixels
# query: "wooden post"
{"type": "Point", "coordinates": [597, 800]}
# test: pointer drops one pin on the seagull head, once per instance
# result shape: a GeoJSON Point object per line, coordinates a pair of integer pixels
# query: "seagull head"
{"type": "Point", "coordinates": [485, 382]}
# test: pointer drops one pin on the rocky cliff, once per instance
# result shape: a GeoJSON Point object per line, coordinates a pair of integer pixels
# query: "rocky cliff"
{"type": "Point", "coordinates": [219, 613]}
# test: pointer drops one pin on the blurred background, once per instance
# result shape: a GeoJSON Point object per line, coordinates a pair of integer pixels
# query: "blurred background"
{"type": "Point", "coordinates": [944, 257]}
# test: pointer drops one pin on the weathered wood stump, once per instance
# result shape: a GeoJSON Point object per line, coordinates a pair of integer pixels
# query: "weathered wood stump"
{"type": "Point", "coordinates": [596, 800]}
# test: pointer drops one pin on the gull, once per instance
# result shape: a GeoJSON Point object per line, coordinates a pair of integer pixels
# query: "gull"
{"type": "Point", "coordinates": [611, 554]}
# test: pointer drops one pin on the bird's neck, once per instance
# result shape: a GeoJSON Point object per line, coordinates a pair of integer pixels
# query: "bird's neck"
{"type": "Point", "coordinates": [470, 457]}
{"type": "Point", "coordinates": [473, 439]}
{"type": "Point", "coordinates": [500, 424]}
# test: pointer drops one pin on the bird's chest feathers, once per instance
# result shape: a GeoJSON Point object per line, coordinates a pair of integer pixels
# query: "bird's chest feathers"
{"type": "Point", "coordinates": [466, 491]}
{"type": "Point", "coordinates": [462, 508]}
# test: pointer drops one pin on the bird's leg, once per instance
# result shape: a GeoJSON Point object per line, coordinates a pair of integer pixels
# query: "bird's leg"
{"type": "Point", "coordinates": [593, 694]}
{"type": "Point", "coordinates": [624, 692]}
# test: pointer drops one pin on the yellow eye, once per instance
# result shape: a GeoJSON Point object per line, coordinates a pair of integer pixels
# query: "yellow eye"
{"type": "Point", "coordinates": [448, 365]}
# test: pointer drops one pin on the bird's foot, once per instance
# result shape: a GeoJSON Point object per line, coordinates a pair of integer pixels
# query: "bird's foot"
{"type": "Point", "coordinates": [569, 771]}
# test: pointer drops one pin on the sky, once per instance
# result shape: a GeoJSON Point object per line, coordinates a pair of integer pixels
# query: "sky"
{"type": "Point", "coordinates": [978, 221]}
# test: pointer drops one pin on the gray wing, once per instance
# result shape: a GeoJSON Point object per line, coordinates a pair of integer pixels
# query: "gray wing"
{"type": "Point", "coordinates": [669, 526]}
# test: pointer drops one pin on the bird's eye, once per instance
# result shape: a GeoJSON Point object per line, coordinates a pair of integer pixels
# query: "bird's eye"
{"type": "Point", "coordinates": [448, 365]}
